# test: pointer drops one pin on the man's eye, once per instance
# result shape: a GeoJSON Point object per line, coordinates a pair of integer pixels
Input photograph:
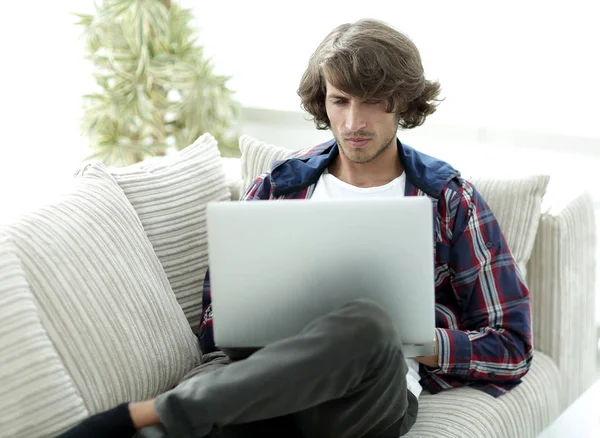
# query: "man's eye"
{"type": "Point", "coordinates": [339, 102]}
{"type": "Point", "coordinates": [373, 102]}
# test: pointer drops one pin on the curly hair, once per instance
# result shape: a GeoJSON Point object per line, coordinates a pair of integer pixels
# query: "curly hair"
{"type": "Point", "coordinates": [369, 59]}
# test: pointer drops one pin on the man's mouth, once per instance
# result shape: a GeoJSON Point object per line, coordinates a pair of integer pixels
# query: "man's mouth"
{"type": "Point", "coordinates": [358, 142]}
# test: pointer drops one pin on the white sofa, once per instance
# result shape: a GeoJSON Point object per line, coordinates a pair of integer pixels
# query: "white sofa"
{"type": "Point", "coordinates": [100, 290]}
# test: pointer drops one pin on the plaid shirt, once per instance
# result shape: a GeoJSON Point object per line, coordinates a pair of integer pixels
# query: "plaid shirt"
{"type": "Point", "coordinates": [483, 318]}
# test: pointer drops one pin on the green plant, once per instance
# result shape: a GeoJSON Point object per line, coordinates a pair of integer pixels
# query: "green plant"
{"type": "Point", "coordinates": [156, 90]}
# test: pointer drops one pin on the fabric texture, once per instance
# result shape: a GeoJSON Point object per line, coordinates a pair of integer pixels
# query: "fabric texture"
{"type": "Point", "coordinates": [562, 277]}
{"type": "Point", "coordinates": [467, 413]}
{"type": "Point", "coordinates": [482, 302]}
{"type": "Point", "coordinates": [258, 157]}
{"type": "Point", "coordinates": [517, 205]}
{"type": "Point", "coordinates": [102, 295]}
{"type": "Point", "coordinates": [169, 195]}
{"type": "Point", "coordinates": [37, 396]}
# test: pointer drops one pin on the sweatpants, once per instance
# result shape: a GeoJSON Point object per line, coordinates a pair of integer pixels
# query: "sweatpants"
{"type": "Point", "coordinates": [343, 376]}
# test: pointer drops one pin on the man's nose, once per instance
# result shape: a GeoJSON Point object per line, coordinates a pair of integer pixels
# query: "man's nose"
{"type": "Point", "coordinates": [355, 120]}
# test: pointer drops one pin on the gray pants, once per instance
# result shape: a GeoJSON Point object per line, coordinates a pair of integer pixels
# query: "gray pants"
{"type": "Point", "coordinates": [344, 375]}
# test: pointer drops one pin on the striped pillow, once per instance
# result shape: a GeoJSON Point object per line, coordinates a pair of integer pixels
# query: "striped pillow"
{"type": "Point", "coordinates": [258, 157]}
{"type": "Point", "coordinates": [102, 295]}
{"type": "Point", "coordinates": [37, 396]}
{"type": "Point", "coordinates": [169, 195]}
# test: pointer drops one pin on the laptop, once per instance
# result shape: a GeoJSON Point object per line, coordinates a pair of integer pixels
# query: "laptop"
{"type": "Point", "coordinates": [275, 266]}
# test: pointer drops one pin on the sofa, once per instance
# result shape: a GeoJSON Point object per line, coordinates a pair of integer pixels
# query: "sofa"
{"type": "Point", "coordinates": [100, 293]}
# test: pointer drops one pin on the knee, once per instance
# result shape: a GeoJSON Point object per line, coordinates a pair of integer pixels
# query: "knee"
{"type": "Point", "coordinates": [368, 321]}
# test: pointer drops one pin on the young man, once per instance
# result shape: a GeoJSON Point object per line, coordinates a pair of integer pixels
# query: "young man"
{"type": "Point", "coordinates": [345, 374]}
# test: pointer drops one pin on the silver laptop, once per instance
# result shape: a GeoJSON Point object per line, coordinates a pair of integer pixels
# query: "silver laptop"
{"type": "Point", "coordinates": [277, 265]}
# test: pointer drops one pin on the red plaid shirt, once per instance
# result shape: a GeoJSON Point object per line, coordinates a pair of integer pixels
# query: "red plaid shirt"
{"type": "Point", "coordinates": [483, 315]}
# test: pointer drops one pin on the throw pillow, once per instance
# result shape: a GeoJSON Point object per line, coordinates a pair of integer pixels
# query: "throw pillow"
{"type": "Point", "coordinates": [258, 157]}
{"type": "Point", "coordinates": [102, 295]}
{"type": "Point", "coordinates": [37, 396]}
{"type": "Point", "coordinates": [169, 195]}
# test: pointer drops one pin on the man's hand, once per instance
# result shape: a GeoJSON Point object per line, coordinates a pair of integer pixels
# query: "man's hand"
{"type": "Point", "coordinates": [430, 361]}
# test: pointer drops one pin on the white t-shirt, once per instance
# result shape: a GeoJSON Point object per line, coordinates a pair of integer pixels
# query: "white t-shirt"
{"type": "Point", "coordinates": [330, 187]}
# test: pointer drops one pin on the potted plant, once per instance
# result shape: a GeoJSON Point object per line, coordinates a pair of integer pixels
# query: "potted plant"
{"type": "Point", "coordinates": [155, 88]}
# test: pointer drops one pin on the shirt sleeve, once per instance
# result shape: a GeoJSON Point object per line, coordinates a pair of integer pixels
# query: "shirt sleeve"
{"type": "Point", "coordinates": [493, 342]}
{"type": "Point", "coordinates": [258, 190]}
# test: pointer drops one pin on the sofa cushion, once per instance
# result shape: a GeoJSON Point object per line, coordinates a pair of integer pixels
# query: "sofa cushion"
{"type": "Point", "coordinates": [37, 396]}
{"type": "Point", "coordinates": [470, 413]}
{"type": "Point", "coordinates": [258, 157]}
{"type": "Point", "coordinates": [102, 295]}
{"type": "Point", "coordinates": [170, 195]}
{"type": "Point", "coordinates": [516, 202]}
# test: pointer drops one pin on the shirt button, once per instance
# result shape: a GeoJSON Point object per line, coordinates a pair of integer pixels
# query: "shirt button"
{"type": "Point", "coordinates": [489, 244]}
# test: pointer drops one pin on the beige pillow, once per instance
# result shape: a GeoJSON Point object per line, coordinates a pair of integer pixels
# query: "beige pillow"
{"type": "Point", "coordinates": [258, 157]}
{"type": "Point", "coordinates": [102, 295]}
{"type": "Point", "coordinates": [37, 396]}
{"type": "Point", "coordinates": [516, 202]}
{"type": "Point", "coordinates": [170, 195]}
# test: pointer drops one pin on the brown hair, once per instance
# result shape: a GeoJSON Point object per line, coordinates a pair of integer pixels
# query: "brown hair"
{"type": "Point", "coordinates": [369, 59]}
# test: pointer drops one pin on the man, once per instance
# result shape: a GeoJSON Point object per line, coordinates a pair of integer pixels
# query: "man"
{"type": "Point", "coordinates": [345, 375]}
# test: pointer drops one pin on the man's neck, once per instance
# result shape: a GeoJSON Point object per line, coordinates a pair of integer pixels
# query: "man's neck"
{"type": "Point", "coordinates": [384, 168]}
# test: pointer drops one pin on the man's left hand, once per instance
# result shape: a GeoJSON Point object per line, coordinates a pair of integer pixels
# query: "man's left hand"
{"type": "Point", "coordinates": [430, 361]}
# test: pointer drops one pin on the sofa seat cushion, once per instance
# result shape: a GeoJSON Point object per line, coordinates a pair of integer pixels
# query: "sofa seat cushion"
{"type": "Point", "coordinates": [37, 396]}
{"type": "Point", "coordinates": [170, 194]}
{"type": "Point", "coordinates": [470, 413]}
{"type": "Point", "coordinates": [101, 294]}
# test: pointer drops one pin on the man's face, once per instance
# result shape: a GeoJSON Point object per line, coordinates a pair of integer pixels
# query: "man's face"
{"type": "Point", "coordinates": [362, 128]}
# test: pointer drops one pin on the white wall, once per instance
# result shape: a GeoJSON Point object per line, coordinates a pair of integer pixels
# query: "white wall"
{"type": "Point", "coordinates": [522, 64]}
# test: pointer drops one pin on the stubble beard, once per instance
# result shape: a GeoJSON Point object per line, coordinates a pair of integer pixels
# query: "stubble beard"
{"type": "Point", "coordinates": [361, 157]}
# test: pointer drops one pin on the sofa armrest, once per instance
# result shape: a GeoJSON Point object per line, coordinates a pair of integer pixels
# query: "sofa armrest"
{"type": "Point", "coordinates": [562, 280]}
